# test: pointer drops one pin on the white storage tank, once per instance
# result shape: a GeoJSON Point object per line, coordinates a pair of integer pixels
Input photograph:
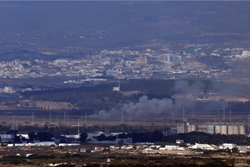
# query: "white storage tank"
{"type": "Point", "coordinates": [224, 129]}
{"type": "Point", "coordinates": [218, 129]}
{"type": "Point", "coordinates": [210, 129]}
{"type": "Point", "coordinates": [202, 128]}
{"type": "Point", "coordinates": [236, 130]}
{"type": "Point", "coordinates": [242, 130]}
{"type": "Point", "coordinates": [230, 130]}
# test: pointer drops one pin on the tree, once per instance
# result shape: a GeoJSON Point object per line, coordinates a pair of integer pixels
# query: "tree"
{"type": "Point", "coordinates": [83, 137]}
{"type": "Point", "coordinates": [121, 142]}
{"type": "Point", "coordinates": [235, 150]}
{"type": "Point", "coordinates": [31, 136]}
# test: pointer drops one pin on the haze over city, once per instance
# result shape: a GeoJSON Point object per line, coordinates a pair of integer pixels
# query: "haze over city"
{"type": "Point", "coordinates": [124, 83]}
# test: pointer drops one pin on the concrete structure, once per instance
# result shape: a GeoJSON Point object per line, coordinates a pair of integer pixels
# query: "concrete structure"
{"type": "Point", "coordinates": [172, 130]}
{"type": "Point", "coordinates": [171, 59]}
{"type": "Point", "coordinates": [210, 129]}
{"type": "Point", "coordinates": [43, 143]}
{"type": "Point", "coordinates": [233, 130]}
{"type": "Point", "coordinates": [7, 138]}
{"type": "Point", "coordinates": [142, 60]}
{"type": "Point", "coordinates": [116, 89]}
{"type": "Point", "coordinates": [236, 130]}
{"type": "Point", "coordinates": [128, 140]}
{"type": "Point", "coordinates": [203, 146]}
{"type": "Point", "coordinates": [243, 149]}
{"type": "Point", "coordinates": [7, 89]}
{"type": "Point", "coordinates": [230, 130]}
{"type": "Point", "coordinates": [172, 147]}
{"type": "Point", "coordinates": [181, 127]}
{"type": "Point", "coordinates": [227, 146]}
{"type": "Point", "coordinates": [242, 130]}
{"type": "Point", "coordinates": [224, 129]}
{"type": "Point", "coordinates": [191, 128]}
{"type": "Point", "coordinates": [179, 141]}
{"type": "Point", "coordinates": [218, 129]}
{"type": "Point", "coordinates": [202, 128]}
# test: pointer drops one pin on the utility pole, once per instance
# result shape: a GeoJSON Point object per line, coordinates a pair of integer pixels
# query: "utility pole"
{"type": "Point", "coordinates": [50, 117]}
{"type": "Point", "coordinates": [122, 116]}
{"type": "Point", "coordinates": [85, 121]}
{"type": "Point", "coordinates": [64, 121]}
{"type": "Point", "coordinates": [183, 114]}
{"type": "Point", "coordinates": [16, 124]}
{"type": "Point", "coordinates": [32, 119]}
{"type": "Point", "coordinates": [223, 112]}
{"type": "Point", "coordinates": [129, 117]}
{"type": "Point", "coordinates": [230, 116]}
{"type": "Point", "coordinates": [78, 128]}
{"type": "Point", "coordinates": [248, 127]}
{"type": "Point", "coordinates": [13, 123]}
{"type": "Point", "coordinates": [67, 119]}
{"type": "Point", "coordinates": [218, 115]}
{"type": "Point", "coordinates": [193, 112]}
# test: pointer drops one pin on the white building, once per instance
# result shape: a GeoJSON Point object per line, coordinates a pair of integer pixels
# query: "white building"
{"type": "Point", "coordinates": [203, 146]}
{"type": "Point", "coordinates": [244, 54]}
{"type": "Point", "coordinates": [227, 146]}
{"type": "Point", "coordinates": [173, 147]}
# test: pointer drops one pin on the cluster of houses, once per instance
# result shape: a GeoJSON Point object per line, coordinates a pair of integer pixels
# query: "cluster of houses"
{"type": "Point", "coordinates": [151, 148]}
{"type": "Point", "coordinates": [197, 146]}
{"type": "Point", "coordinates": [12, 138]}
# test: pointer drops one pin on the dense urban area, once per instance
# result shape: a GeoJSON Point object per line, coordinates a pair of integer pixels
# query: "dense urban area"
{"type": "Point", "coordinates": [124, 84]}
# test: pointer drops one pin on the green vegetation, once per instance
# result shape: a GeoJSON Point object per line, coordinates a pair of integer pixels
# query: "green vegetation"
{"type": "Point", "coordinates": [99, 97]}
{"type": "Point", "coordinates": [103, 97]}
{"type": "Point", "coordinates": [217, 139]}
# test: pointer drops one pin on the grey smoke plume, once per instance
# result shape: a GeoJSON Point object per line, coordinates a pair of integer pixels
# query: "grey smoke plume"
{"type": "Point", "coordinates": [183, 87]}
{"type": "Point", "coordinates": [144, 107]}
{"type": "Point", "coordinates": [163, 106]}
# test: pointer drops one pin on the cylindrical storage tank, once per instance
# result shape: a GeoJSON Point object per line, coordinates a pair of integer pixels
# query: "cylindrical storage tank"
{"type": "Point", "coordinates": [236, 130]}
{"type": "Point", "coordinates": [242, 130]}
{"type": "Point", "coordinates": [218, 129]}
{"type": "Point", "coordinates": [210, 129]}
{"type": "Point", "coordinates": [191, 128]}
{"type": "Point", "coordinates": [224, 129]}
{"type": "Point", "coordinates": [202, 128]}
{"type": "Point", "coordinates": [230, 130]}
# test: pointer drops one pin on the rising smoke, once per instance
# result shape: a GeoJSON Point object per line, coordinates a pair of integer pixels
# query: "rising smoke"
{"type": "Point", "coordinates": [183, 90]}
{"type": "Point", "coordinates": [146, 106]}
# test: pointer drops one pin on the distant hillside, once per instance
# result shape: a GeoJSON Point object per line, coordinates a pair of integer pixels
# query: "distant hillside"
{"type": "Point", "coordinates": [114, 24]}
{"type": "Point", "coordinates": [102, 97]}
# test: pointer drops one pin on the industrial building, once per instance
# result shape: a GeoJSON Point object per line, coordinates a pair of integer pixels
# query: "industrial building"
{"type": "Point", "coordinates": [181, 127]}
{"type": "Point", "coordinates": [213, 128]}
{"type": "Point", "coordinates": [225, 128]}
{"type": "Point", "coordinates": [191, 128]}
{"type": "Point", "coordinates": [171, 59]}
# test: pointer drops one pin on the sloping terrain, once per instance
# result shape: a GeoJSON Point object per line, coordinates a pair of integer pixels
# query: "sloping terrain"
{"type": "Point", "coordinates": [115, 24]}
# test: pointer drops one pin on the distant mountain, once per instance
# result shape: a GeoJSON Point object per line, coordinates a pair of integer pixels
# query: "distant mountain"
{"type": "Point", "coordinates": [114, 24]}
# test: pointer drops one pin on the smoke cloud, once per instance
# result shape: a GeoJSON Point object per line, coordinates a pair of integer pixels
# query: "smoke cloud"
{"type": "Point", "coordinates": [166, 106]}
{"type": "Point", "coordinates": [143, 107]}
{"type": "Point", "coordinates": [183, 87]}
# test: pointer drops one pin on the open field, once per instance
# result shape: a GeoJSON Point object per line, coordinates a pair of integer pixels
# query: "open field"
{"type": "Point", "coordinates": [75, 121]}
{"type": "Point", "coordinates": [76, 156]}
